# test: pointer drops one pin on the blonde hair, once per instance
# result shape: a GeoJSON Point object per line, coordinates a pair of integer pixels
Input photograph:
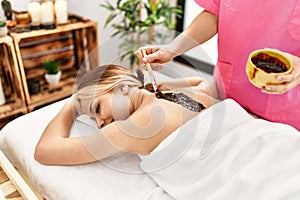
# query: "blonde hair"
{"type": "Point", "coordinates": [104, 79]}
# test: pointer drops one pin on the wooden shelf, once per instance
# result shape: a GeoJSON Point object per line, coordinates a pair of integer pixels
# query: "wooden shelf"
{"type": "Point", "coordinates": [62, 90]}
{"type": "Point", "coordinates": [70, 45]}
{"type": "Point", "coordinates": [58, 29]}
{"type": "Point", "coordinates": [11, 81]}
{"type": "Point", "coordinates": [22, 56]}
{"type": "Point", "coordinates": [12, 107]}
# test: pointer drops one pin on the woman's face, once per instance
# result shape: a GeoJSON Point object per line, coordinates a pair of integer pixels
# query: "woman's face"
{"type": "Point", "coordinates": [107, 107]}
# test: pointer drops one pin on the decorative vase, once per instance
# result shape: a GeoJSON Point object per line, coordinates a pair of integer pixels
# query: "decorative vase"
{"type": "Point", "coordinates": [53, 79]}
{"type": "Point", "coordinates": [2, 97]}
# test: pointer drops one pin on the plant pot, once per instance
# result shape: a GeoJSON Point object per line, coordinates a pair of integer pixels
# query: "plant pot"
{"type": "Point", "coordinates": [3, 29]}
{"type": "Point", "coordinates": [53, 79]}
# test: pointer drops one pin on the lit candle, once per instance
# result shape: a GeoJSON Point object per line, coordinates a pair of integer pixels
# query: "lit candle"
{"type": "Point", "coordinates": [34, 9]}
{"type": "Point", "coordinates": [61, 11]}
{"type": "Point", "coordinates": [47, 12]}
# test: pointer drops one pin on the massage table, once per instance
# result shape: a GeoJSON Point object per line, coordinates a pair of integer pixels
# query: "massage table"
{"type": "Point", "coordinates": [222, 153]}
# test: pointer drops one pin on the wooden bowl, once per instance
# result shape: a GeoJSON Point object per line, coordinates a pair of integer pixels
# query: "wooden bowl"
{"type": "Point", "coordinates": [22, 17]}
{"type": "Point", "coordinates": [264, 65]}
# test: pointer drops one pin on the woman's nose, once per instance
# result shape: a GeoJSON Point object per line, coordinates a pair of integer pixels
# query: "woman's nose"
{"type": "Point", "coordinates": [100, 122]}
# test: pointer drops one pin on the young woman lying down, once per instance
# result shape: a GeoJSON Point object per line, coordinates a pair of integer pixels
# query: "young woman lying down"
{"type": "Point", "coordinates": [129, 117]}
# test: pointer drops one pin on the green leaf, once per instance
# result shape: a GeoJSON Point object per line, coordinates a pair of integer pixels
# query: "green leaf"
{"type": "Point", "coordinates": [109, 19]}
{"type": "Point", "coordinates": [51, 66]}
{"type": "Point", "coordinates": [148, 9]}
{"type": "Point", "coordinates": [108, 6]}
{"type": "Point", "coordinates": [124, 55]}
{"type": "Point", "coordinates": [118, 4]}
{"type": "Point", "coordinates": [132, 59]}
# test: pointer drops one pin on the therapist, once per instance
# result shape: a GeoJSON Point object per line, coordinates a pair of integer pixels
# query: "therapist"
{"type": "Point", "coordinates": [242, 27]}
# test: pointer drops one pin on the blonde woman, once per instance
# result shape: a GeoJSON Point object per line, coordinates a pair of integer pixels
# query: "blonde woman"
{"type": "Point", "coordinates": [129, 117]}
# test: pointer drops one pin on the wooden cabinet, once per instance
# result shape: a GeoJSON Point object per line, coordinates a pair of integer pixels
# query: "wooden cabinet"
{"type": "Point", "coordinates": [21, 65]}
{"type": "Point", "coordinates": [15, 103]}
{"type": "Point", "coordinates": [72, 45]}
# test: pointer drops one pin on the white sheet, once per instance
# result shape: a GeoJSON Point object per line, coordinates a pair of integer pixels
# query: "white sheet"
{"type": "Point", "coordinates": [225, 154]}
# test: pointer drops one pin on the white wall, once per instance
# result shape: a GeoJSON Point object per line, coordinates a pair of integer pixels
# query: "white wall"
{"type": "Point", "coordinates": [91, 9]}
{"type": "Point", "coordinates": [207, 52]}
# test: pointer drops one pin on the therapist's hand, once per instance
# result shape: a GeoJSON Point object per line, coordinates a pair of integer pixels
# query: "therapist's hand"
{"type": "Point", "coordinates": [155, 55]}
{"type": "Point", "coordinates": [290, 80]}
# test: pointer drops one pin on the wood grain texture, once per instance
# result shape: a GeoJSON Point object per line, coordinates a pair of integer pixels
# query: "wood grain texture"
{"type": "Point", "coordinates": [69, 44]}
{"type": "Point", "coordinates": [11, 82]}
{"type": "Point", "coordinates": [12, 185]}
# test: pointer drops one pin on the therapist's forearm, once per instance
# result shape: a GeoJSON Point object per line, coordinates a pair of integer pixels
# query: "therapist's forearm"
{"type": "Point", "coordinates": [203, 27]}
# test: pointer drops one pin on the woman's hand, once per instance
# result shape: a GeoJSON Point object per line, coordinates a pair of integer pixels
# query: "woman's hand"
{"type": "Point", "coordinates": [290, 80]}
{"type": "Point", "coordinates": [155, 55]}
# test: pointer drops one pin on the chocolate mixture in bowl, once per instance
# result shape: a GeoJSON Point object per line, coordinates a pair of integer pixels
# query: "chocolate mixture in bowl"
{"type": "Point", "coordinates": [179, 98]}
{"type": "Point", "coordinates": [269, 63]}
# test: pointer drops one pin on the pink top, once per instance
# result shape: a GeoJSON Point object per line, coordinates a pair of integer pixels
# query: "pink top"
{"type": "Point", "coordinates": [245, 26]}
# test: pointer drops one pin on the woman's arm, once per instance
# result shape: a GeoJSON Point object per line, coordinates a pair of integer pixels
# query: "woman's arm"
{"type": "Point", "coordinates": [203, 27]}
{"type": "Point", "coordinates": [140, 133]}
{"type": "Point", "coordinates": [56, 148]}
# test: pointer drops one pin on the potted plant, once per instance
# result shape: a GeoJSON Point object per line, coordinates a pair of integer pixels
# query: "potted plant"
{"type": "Point", "coordinates": [53, 72]}
{"type": "Point", "coordinates": [137, 19]}
{"type": "Point", "coordinates": [3, 29]}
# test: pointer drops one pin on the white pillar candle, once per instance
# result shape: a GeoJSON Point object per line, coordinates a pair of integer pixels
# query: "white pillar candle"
{"type": "Point", "coordinates": [61, 11]}
{"type": "Point", "coordinates": [47, 12]}
{"type": "Point", "coordinates": [34, 9]}
{"type": "Point", "coordinates": [2, 97]}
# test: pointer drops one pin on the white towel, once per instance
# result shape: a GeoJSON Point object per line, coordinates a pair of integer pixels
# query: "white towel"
{"type": "Point", "coordinates": [224, 153]}
{"type": "Point", "coordinates": [1, 195]}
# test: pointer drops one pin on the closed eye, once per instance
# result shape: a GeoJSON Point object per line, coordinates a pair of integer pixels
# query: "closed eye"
{"type": "Point", "coordinates": [97, 111]}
